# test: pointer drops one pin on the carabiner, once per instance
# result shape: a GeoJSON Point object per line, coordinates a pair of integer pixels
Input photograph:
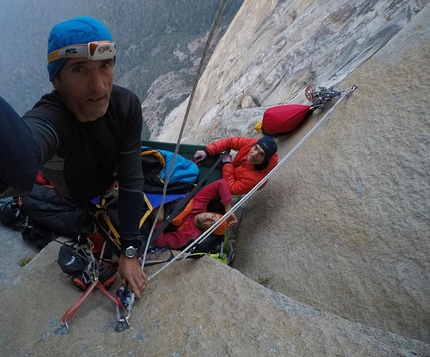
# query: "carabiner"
{"type": "Point", "coordinates": [126, 301]}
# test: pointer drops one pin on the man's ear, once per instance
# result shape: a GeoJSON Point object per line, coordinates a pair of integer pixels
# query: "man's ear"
{"type": "Point", "coordinates": [55, 82]}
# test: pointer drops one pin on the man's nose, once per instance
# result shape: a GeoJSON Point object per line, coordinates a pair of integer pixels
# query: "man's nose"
{"type": "Point", "coordinates": [210, 219]}
{"type": "Point", "coordinates": [96, 81]}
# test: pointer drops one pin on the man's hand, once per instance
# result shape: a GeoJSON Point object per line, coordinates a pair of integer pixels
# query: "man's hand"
{"type": "Point", "coordinates": [130, 269]}
{"type": "Point", "coordinates": [232, 220]}
{"type": "Point", "coordinates": [227, 159]}
{"type": "Point", "coordinates": [200, 155]}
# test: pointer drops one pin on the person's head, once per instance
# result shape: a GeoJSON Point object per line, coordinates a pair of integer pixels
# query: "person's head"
{"type": "Point", "coordinates": [205, 220]}
{"type": "Point", "coordinates": [81, 56]}
{"type": "Point", "coordinates": [262, 151]}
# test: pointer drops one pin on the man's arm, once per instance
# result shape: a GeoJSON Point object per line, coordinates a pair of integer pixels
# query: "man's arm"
{"type": "Point", "coordinates": [130, 198]}
{"type": "Point", "coordinates": [20, 154]}
{"type": "Point", "coordinates": [175, 240]}
{"type": "Point", "coordinates": [130, 176]}
{"type": "Point", "coordinates": [240, 185]}
{"type": "Point", "coordinates": [226, 200]}
{"type": "Point", "coordinates": [207, 193]}
{"type": "Point", "coordinates": [232, 143]}
{"type": "Point", "coordinates": [232, 220]}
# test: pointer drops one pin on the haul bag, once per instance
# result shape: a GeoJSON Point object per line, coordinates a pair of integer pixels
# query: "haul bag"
{"type": "Point", "coordinates": [282, 118]}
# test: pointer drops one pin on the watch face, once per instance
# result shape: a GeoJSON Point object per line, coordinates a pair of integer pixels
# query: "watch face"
{"type": "Point", "coordinates": [130, 252]}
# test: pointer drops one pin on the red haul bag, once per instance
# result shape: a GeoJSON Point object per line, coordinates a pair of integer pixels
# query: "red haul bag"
{"type": "Point", "coordinates": [282, 118]}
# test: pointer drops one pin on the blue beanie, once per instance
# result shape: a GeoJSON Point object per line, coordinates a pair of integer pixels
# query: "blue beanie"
{"type": "Point", "coordinates": [78, 30]}
{"type": "Point", "coordinates": [268, 144]}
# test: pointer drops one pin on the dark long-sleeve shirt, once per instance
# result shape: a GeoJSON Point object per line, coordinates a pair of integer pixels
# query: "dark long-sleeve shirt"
{"type": "Point", "coordinates": [82, 160]}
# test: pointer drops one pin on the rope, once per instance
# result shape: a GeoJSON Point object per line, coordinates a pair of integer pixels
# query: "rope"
{"type": "Point", "coordinates": [250, 193]}
{"type": "Point", "coordinates": [199, 72]}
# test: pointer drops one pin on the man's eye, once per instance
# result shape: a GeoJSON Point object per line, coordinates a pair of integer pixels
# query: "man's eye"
{"type": "Point", "coordinates": [77, 69]}
{"type": "Point", "coordinates": [107, 63]}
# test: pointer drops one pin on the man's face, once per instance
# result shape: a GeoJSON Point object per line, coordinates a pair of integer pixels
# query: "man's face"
{"type": "Point", "coordinates": [205, 220]}
{"type": "Point", "coordinates": [256, 155]}
{"type": "Point", "coordinates": [85, 87]}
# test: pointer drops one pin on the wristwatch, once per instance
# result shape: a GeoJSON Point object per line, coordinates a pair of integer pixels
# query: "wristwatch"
{"type": "Point", "coordinates": [130, 252]}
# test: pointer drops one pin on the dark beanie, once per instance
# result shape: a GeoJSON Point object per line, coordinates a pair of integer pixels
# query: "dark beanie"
{"type": "Point", "coordinates": [268, 144]}
{"type": "Point", "coordinates": [78, 30]}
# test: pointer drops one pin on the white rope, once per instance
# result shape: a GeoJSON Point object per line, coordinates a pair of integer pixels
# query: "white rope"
{"type": "Point", "coordinates": [250, 193]}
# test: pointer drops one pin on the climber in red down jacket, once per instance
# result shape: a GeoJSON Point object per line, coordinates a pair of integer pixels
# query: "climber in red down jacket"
{"type": "Point", "coordinates": [255, 158]}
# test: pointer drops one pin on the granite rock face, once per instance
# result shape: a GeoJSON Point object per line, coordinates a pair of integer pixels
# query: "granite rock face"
{"type": "Point", "coordinates": [343, 224]}
{"type": "Point", "coordinates": [192, 308]}
{"type": "Point", "coordinates": [273, 49]}
{"type": "Point", "coordinates": [169, 90]}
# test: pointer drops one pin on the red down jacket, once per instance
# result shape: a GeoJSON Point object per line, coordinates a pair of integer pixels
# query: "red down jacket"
{"type": "Point", "coordinates": [241, 177]}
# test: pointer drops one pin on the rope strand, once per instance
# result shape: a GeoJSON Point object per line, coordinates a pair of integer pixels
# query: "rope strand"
{"type": "Point", "coordinates": [199, 72]}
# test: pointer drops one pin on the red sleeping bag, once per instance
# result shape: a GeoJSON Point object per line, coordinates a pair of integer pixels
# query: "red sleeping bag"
{"type": "Point", "coordinates": [282, 118]}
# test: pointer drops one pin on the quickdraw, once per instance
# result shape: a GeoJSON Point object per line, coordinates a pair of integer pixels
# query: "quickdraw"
{"type": "Point", "coordinates": [125, 297]}
{"type": "Point", "coordinates": [125, 300]}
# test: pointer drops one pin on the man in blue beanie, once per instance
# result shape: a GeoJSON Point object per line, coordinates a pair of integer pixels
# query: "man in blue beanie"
{"type": "Point", "coordinates": [84, 135]}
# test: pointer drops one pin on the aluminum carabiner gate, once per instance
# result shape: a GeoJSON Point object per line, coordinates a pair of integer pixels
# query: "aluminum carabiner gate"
{"type": "Point", "coordinates": [126, 302]}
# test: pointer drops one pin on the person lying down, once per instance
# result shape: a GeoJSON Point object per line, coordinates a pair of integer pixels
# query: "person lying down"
{"type": "Point", "coordinates": [195, 219]}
